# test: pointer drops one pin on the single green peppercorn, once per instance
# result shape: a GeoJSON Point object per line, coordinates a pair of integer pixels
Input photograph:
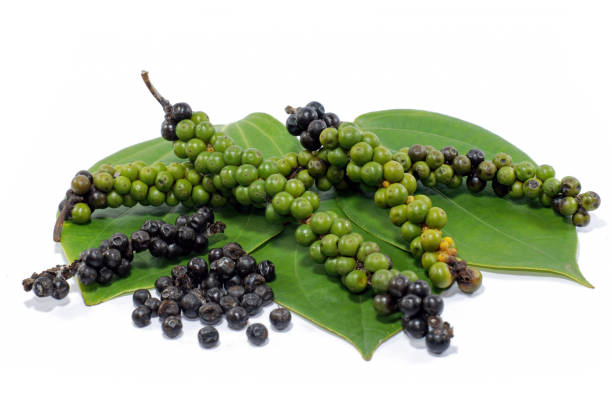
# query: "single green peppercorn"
{"type": "Point", "coordinates": [393, 171]}
{"type": "Point", "coordinates": [139, 190]}
{"type": "Point", "coordinates": [409, 231]}
{"type": "Point", "coordinates": [436, 218]}
{"type": "Point", "coordinates": [440, 275]}
{"type": "Point", "coordinates": [581, 217]}
{"type": "Point", "coordinates": [551, 187]}
{"type": "Point", "coordinates": [545, 172]}
{"type": "Point", "coordinates": [502, 160]}
{"type": "Point", "coordinates": [315, 252]}
{"type": "Point", "coordinates": [324, 184]}
{"type": "Point", "coordinates": [404, 159]}
{"type": "Point", "coordinates": [361, 153]}
{"type": "Point", "coordinates": [257, 192]}
{"type": "Point", "coordinates": [416, 248]}
{"type": "Point", "coordinates": [380, 198]}
{"type": "Point", "coordinates": [353, 172]}
{"type": "Point", "coordinates": [421, 170]}
{"type": "Point", "coordinates": [380, 280]}
{"type": "Point", "coordinates": [365, 249]}
{"type": "Point", "coordinates": [338, 158]}
{"type": "Point", "coordinates": [233, 155]}
{"type": "Point", "coordinates": [228, 176]}
{"type": "Point", "coordinates": [382, 155]}
{"type": "Point", "coordinates": [532, 188]}
{"type": "Point", "coordinates": [301, 208]}
{"type": "Point", "coordinates": [114, 199]}
{"type": "Point", "coordinates": [199, 116]}
{"type": "Point", "coordinates": [155, 197]}
{"type": "Point", "coordinates": [570, 186]}
{"type": "Point", "coordinates": [317, 167]}
{"type": "Point", "coordinates": [304, 235]}
{"type": "Point", "coordinates": [434, 159]}
{"type": "Point", "coordinates": [376, 261]}
{"type": "Point", "coordinates": [193, 148]}
{"type": "Point", "coordinates": [568, 206]}
{"type": "Point", "coordinates": [409, 182]}
{"type": "Point", "coordinates": [348, 136]}
{"type": "Point", "coordinates": [107, 168]}
{"type": "Point", "coordinates": [506, 175]}
{"type": "Point", "coordinates": [417, 211]}
{"type": "Point", "coordinates": [185, 130]}
{"type": "Point", "coordinates": [304, 157]}
{"type": "Point", "coordinates": [486, 170]}
{"type": "Point", "coordinates": [525, 170]}
{"type": "Point", "coordinates": [334, 174]}
{"type": "Point", "coordinates": [455, 182]}
{"type": "Point", "coordinates": [199, 196]}
{"type": "Point", "coordinates": [396, 194]}
{"type": "Point", "coordinates": [370, 138]}
{"type": "Point", "coordinates": [444, 174]}
{"type": "Point", "coordinates": [204, 130]}
{"type": "Point", "coordinates": [129, 201]}
{"type": "Point", "coordinates": [516, 190]}
{"type": "Point", "coordinates": [417, 153]}
{"type": "Point", "coordinates": [590, 200]}
{"type": "Point", "coordinates": [80, 184]}
{"type": "Point", "coordinates": [284, 167]}
{"type": "Point", "coordinates": [177, 170]}
{"type": "Point", "coordinates": [462, 165]}
{"type": "Point", "coordinates": [103, 181]}
{"type": "Point", "coordinates": [349, 244]}
{"type": "Point", "coordinates": [428, 259]}
{"type": "Point", "coordinates": [80, 213]}
{"type": "Point", "coordinates": [430, 240]}
{"type": "Point", "coordinates": [430, 181]}
{"type": "Point", "coordinates": [356, 281]}
{"type": "Point", "coordinates": [545, 200]}
{"type": "Point", "coordinates": [399, 214]}
{"type": "Point", "coordinates": [372, 173]}
{"type": "Point", "coordinates": [341, 227]}
{"type": "Point", "coordinates": [267, 167]}
{"type": "Point", "coordinates": [252, 156]}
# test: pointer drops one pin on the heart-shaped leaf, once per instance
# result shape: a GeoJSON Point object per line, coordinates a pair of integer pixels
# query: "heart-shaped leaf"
{"type": "Point", "coordinates": [302, 286]}
{"type": "Point", "coordinates": [251, 230]}
{"type": "Point", "coordinates": [490, 232]}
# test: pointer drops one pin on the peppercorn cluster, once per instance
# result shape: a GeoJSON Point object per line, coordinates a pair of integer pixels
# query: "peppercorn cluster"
{"type": "Point", "coordinates": [419, 308]}
{"type": "Point", "coordinates": [231, 284]}
{"type": "Point", "coordinates": [51, 282]}
{"type": "Point", "coordinates": [308, 122]}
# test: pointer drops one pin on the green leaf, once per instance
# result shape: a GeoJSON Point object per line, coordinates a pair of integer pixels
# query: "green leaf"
{"type": "Point", "coordinates": [251, 230]}
{"type": "Point", "coordinates": [490, 232]}
{"type": "Point", "coordinates": [302, 286]}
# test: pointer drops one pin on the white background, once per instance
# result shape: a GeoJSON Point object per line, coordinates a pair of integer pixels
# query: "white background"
{"type": "Point", "coordinates": [535, 72]}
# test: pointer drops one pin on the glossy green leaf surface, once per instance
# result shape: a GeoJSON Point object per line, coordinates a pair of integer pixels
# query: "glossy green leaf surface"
{"type": "Point", "coordinates": [303, 286]}
{"type": "Point", "coordinates": [490, 232]}
{"type": "Point", "coordinates": [251, 230]}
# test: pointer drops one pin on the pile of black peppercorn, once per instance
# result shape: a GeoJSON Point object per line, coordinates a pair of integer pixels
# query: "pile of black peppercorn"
{"type": "Point", "coordinates": [420, 311]}
{"type": "Point", "coordinates": [51, 282]}
{"type": "Point", "coordinates": [308, 122]}
{"type": "Point", "coordinates": [230, 284]}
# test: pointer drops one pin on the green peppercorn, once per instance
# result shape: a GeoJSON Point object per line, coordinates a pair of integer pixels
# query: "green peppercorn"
{"type": "Point", "coordinates": [544, 172]}
{"type": "Point", "coordinates": [315, 252]}
{"type": "Point", "coordinates": [409, 231]}
{"type": "Point", "coordinates": [129, 201]}
{"type": "Point", "coordinates": [581, 217]}
{"type": "Point", "coordinates": [382, 155]}
{"type": "Point", "coordinates": [304, 157]}
{"type": "Point", "coordinates": [590, 200]}
{"type": "Point", "coordinates": [409, 182]}
{"type": "Point", "coordinates": [430, 181]}
{"type": "Point", "coordinates": [395, 194]}
{"type": "Point", "coordinates": [506, 175]}
{"type": "Point", "coordinates": [545, 200]}
{"type": "Point", "coordinates": [380, 198]}
{"type": "Point", "coordinates": [399, 214]}
{"type": "Point", "coordinates": [436, 218]}
{"type": "Point", "coordinates": [114, 199]}
{"type": "Point", "coordinates": [421, 170]}
{"type": "Point", "coordinates": [257, 192]}
{"type": "Point", "coordinates": [199, 196]}
{"type": "Point", "coordinates": [370, 138]}
{"type": "Point", "coordinates": [304, 235]}
{"type": "Point", "coordinates": [372, 173]}
{"type": "Point", "coordinates": [177, 170]}
{"type": "Point", "coordinates": [428, 259]}
{"type": "Point", "coordinates": [376, 261]}
{"type": "Point", "coordinates": [532, 188]}
{"type": "Point", "coordinates": [348, 136]}
{"type": "Point", "coordinates": [568, 206]}
{"type": "Point", "coordinates": [316, 167]}
{"type": "Point", "coordinates": [486, 170]}
{"type": "Point", "coordinates": [416, 211]}
{"type": "Point", "coordinates": [516, 190]}
{"type": "Point", "coordinates": [403, 159]}
{"type": "Point", "coordinates": [103, 181]}
{"type": "Point", "coordinates": [324, 184]}
{"type": "Point", "coordinates": [139, 190]}
{"type": "Point", "coordinates": [155, 197]}
{"type": "Point", "coordinates": [393, 171]}
{"type": "Point", "coordinates": [444, 174]}
{"type": "Point", "coordinates": [80, 213]}
{"type": "Point", "coordinates": [440, 275]}
{"type": "Point", "coordinates": [551, 187]}
{"type": "Point", "coordinates": [349, 244]}
{"type": "Point", "coordinates": [356, 281]}
{"type": "Point", "coordinates": [502, 160]}
{"type": "Point", "coordinates": [107, 168]}
{"type": "Point", "coordinates": [380, 280]}
{"type": "Point", "coordinates": [341, 227]}
{"type": "Point", "coordinates": [335, 174]}
{"type": "Point", "coordinates": [525, 170]}
{"type": "Point", "coordinates": [365, 249]}
{"type": "Point", "coordinates": [434, 159]}
{"type": "Point", "coordinates": [455, 182]}
{"type": "Point", "coordinates": [570, 186]}
{"type": "Point", "coordinates": [416, 248]}
{"type": "Point", "coordinates": [204, 130]}
{"type": "Point", "coordinates": [461, 165]}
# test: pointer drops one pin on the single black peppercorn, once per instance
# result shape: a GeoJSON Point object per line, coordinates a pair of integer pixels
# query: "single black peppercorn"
{"type": "Point", "coordinates": [433, 305]}
{"type": "Point", "coordinates": [419, 288]}
{"type": "Point", "coordinates": [105, 275]}
{"type": "Point", "coordinates": [198, 222]}
{"type": "Point", "coordinates": [304, 116]}
{"type": "Point", "coordinates": [190, 304]}
{"type": "Point", "coordinates": [476, 156]}
{"type": "Point", "coordinates": [112, 258]}
{"type": "Point", "coordinates": [152, 227]}
{"type": "Point", "coordinates": [266, 294]}
{"type": "Point", "coordinates": [384, 304]}
{"type": "Point", "coordinates": [267, 270]}
{"type": "Point", "coordinates": [331, 119]}
{"type": "Point", "coordinates": [93, 257]}
{"type": "Point", "coordinates": [87, 275]}
{"type": "Point", "coordinates": [211, 281]}
{"type": "Point", "coordinates": [224, 267]}
{"type": "Point", "coordinates": [246, 264]}
{"type": "Point", "coordinates": [214, 295]}
{"type": "Point", "coordinates": [214, 254]}
{"type": "Point", "coordinates": [415, 327]}
{"type": "Point", "coordinates": [207, 213]}
{"type": "Point", "coordinates": [168, 232]}
{"type": "Point", "coordinates": [181, 111]}
{"type": "Point", "coordinates": [172, 293]}
{"type": "Point", "coordinates": [437, 341]}
{"type": "Point", "coordinates": [175, 251]}
{"type": "Point", "coordinates": [235, 280]}
{"type": "Point", "coordinates": [292, 125]}
{"type": "Point", "coordinates": [141, 316]}
{"type": "Point", "coordinates": [198, 269]}
{"type": "Point", "coordinates": [167, 308]}
{"type": "Point", "coordinates": [280, 318]}
{"type": "Point", "coordinates": [140, 241]}
{"type": "Point", "coordinates": [140, 297]}
{"type": "Point", "coordinates": [210, 313]}
{"type": "Point", "coordinates": [120, 242]}
{"type": "Point", "coordinates": [158, 248]}
{"type": "Point", "coordinates": [181, 220]}
{"type": "Point", "coordinates": [43, 286]}
{"type": "Point", "coordinates": [252, 303]}
{"type": "Point", "coordinates": [60, 288]}
{"type": "Point", "coordinates": [153, 304]}
{"type": "Point", "coordinates": [398, 285]}
{"type": "Point", "coordinates": [228, 302]}
{"type": "Point", "coordinates": [185, 236]}
{"type": "Point", "coordinates": [252, 281]}
{"type": "Point", "coordinates": [123, 270]}
{"type": "Point", "coordinates": [410, 305]}
{"type": "Point", "coordinates": [237, 318]}
{"type": "Point", "coordinates": [257, 334]}
{"type": "Point", "coordinates": [162, 283]}
{"type": "Point", "coordinates": [168, 130]}
{"type": "Point", "coordinates": [233, 250]}
{"type": "Point", "coordinates": [172, 326]}
{"type": "Point", "coordinates": [104, 245]}
{"type": "Point", "coordinates": [208, 337]}
{"type": "Point", "coordinates": [237, 291]}
{"type": "Point", "coordinates": [474, 183]}
{"type": "Point", "coordinates": [200, 243]}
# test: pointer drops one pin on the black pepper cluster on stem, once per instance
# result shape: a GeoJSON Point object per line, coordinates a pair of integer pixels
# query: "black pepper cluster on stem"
{"type": "Point", "coordinates": [113, 257]}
